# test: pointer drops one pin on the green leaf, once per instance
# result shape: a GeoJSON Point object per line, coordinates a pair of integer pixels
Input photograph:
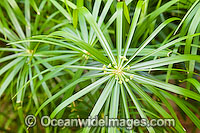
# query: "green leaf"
{"type": "Point", "coordinates": [165, 61]}
{"type": "Point", "coordinates": [10, 65]}
{"type": "Point", "coordinates": [83, 27]}
{"type": "Point", "coordinates": [146, 42]}
{"type": "Point", "coordinates": [119, 31]}
{"type": "Point", "coordinates": [17, 11]}
{"type": "Point", "coordinates": [126, 13]}
{"type": "Point", "coordinates": [125, 103]}
{"type": "Point", "coordinates": [10, 77]}
{"type": "Point", "coordinates": [195, 83]}
{"type": "Point", "coordinates": [188, 12]}
{"type": "Point", "coordinates": [138, 106]}
{"type": "Point", "coordinates": [95, 12]}
{"type": "Point", "coordinates": [13, 19]}
{"type": "Point", "coordinates": [84, 78]}
{"type": "Point", "coordinates": [153, 52]}
{"type": "Point", "coordinates": [82, 44]}
{"type": "Point", "coordinates": [150, 18]}
{"type": "Point", "coordinates": [101, 101]}
{"type": "Point", "coordinates": [154, 104]}
{"type": "Point", "coordinates": [44, 85]}
{"type": "Point", "coordinates": [33, 4]}
{"type": "Point", "coordinates": [78, 95]}
{"type": "Point", "coordinates": [133, 26]}
{"type": "Point", "coordinates": [178, 125]}
{"type": "Point", "coordinates": [75, 18]}
{"type": "Point", "coordinates": [61, 9]}
{"type": "Point", "coordinates": [189, 113]}
{"type": "Point", "coordinates": [114, 106]}
{"type": "Point", "coordinates": [99, 33]}
{"type": "Point", "coordinates": [166, 86]}
{"type": "Point", "coordinates": [9, 57]}
{"type": "Point", "coordinates": [70, 4]}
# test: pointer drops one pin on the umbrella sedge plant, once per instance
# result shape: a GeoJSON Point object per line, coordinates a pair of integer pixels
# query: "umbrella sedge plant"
{"type": "Point", "coordinates": [119, 67]}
